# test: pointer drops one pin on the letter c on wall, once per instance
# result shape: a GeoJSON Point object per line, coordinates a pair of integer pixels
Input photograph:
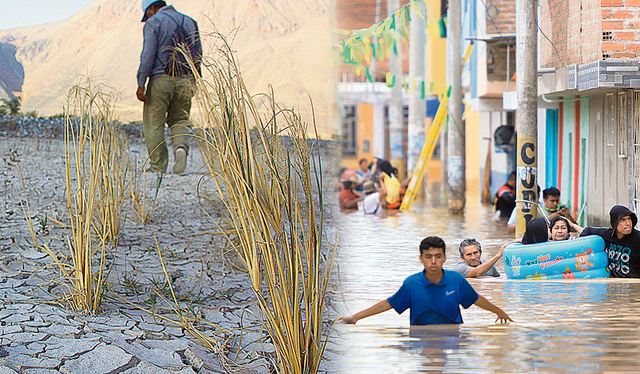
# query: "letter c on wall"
{"type": "Point", "coordinates": [523, 153]}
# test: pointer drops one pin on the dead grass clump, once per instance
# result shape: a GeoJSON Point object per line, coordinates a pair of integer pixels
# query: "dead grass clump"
{"type": "Point", "coordinates": [96, 165]}
{"type": "Point", "coordinates": [273, 195]}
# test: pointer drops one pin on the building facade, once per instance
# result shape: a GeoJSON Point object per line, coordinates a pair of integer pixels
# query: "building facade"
{"type": "Point", "coordinates": [490, 25]}
{"type": "Point", "coordinates": [590, 72]}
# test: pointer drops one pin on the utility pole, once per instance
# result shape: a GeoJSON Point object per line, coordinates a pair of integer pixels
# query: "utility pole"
{"type": "Point", "coordinates": [417, 107]}
{"type": "Point", "coordinates": [527, 120]}
{"type": "Point", "coordinates": [376, 19]}
{"type": "Point", "coordinates": [456, 133]}
{"type": "Point", "coordinates": [379, 132]}
{"type": "Point", "coordinates": [397, 129]}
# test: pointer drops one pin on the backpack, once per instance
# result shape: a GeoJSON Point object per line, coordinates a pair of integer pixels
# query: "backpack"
{"type": "Point", "coordinates": [175, 62]}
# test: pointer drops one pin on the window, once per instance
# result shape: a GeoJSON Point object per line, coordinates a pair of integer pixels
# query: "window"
{"type": "Point", "coordinates": [636, 149]}
{"type": "Point", "coordinates": [622, 124]}
{"type": "Point", "coordinates": [349, 132]}
{"type": "Point", "coordinates": [609, 121]}
{"type": "Point", "coordinates": [387, 124]}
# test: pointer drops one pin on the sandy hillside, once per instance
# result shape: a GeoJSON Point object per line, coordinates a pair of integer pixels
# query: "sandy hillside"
{"type": "Point", "coordinates": [285, 43]}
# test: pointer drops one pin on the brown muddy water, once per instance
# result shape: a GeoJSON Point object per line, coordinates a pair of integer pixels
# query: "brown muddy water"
{"type": "Point", "coordinates": [559, 326]}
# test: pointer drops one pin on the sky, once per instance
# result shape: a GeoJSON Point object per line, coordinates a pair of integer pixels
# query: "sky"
{"type": "Point", "coordinates": [21, 13]}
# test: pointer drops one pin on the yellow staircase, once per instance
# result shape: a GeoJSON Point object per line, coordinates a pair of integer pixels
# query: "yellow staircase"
{"type": "Point", "coordinates": [427, 150]}
{"type": "Point", "coordinates": [430, 142]}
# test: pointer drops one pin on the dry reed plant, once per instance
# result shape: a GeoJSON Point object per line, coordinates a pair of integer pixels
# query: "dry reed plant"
{"type": "Point", "coordinates": [137, 191]}
{"type": "Point", "coordinates": [269, 177]}
{"type": "Point", "coordinates": [96, 164]}
{"type": "Point", "coordinates": [113, 165]}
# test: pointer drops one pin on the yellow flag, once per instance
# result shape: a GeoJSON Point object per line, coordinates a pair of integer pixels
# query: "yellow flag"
{"type": "Point", "coordinates": [416, 7]}
{"type": "Point", "coordinates": [367, 53]}
{"type": "Point", "coordinates": [402, 18]}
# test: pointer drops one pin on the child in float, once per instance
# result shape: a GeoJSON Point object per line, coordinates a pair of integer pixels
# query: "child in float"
{"type": "Point", "coordinates": [536, 231]}
{"type": "Point", "coordinates": [561, 228]}
{"type": "Point", "coordinates": [622, 242]}
{"type": "Point", "coordinates": [433, 295]}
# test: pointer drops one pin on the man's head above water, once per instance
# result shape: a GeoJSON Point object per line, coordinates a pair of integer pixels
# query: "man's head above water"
{"type": "Point", "coordinates": [432, 242]}
{"type": "Point", "coordinates": [470, 252]}
{"type": "Point", "coordinates": [433, 255]}
{"type": "Point", "coordinates": [623, 220]}
{"type": "Point", "coordinates": [551, 198]}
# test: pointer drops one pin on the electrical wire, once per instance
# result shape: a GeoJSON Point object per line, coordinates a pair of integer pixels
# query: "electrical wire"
{"type": "Point", "coordinates": [491, 18]}
{"type": "Point", "coordinates": [537, 25]}
{"type": "Point", "coordinates": [553, 45]}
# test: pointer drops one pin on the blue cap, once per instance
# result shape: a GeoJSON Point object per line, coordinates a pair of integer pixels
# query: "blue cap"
{"type": "Point", "coordinates": [145, 5]}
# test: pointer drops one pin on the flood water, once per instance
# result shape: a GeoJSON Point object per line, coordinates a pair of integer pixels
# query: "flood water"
{"type": "Point", "coordinates": [569, 325]}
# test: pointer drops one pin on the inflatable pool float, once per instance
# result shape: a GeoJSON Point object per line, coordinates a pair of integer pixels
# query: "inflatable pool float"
{"type": "Point", "coordinates": [567, 259]}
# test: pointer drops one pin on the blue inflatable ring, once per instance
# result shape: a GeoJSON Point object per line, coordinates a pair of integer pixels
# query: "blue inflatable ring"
{"type": "Point", "coordinates": [583, 258]}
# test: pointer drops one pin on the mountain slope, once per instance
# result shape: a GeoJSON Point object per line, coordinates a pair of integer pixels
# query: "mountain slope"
{"type": "Point", "coordinates": [285, 43]}
{"type": "Point", "coordinates": [11, 72]}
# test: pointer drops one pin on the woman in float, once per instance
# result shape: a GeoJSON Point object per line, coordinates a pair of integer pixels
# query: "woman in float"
{"type": "Point", "coordinates": [537, 258]}
{"type": "Point", "coordinates": [537, 231]}
{"type": "Point", "coordinates": [561, 228]}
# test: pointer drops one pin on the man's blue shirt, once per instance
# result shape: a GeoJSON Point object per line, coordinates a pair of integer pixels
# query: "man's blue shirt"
{"type": "Point", "coordinates": [434, 304]}
{"type": "Point", "coordinates": [158, 32]}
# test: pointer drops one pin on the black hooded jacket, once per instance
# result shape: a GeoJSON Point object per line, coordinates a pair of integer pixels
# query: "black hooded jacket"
{"type": "Point", "coordinates": [624, 254]}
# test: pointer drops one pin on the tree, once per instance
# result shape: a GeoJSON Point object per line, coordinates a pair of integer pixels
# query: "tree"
{"type": "Point", "coordinates": [11, 106]}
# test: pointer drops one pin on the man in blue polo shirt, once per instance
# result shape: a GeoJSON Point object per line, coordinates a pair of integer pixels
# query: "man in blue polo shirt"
{"type": "Point", "coordinates": [434, 295]}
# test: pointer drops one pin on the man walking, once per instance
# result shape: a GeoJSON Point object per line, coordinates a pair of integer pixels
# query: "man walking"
{"type": "Point", "coordinates": [168, 94]}
{"type": "Point", "coordinates": [434, 295]}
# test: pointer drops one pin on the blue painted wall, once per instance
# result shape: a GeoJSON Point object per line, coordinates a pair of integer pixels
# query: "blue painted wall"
{"type": "Point", "coordinates": [551, 149]}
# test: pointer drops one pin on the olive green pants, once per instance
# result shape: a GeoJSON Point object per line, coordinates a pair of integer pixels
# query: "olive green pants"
{"type": "Point", "coordinates": [168, 101]}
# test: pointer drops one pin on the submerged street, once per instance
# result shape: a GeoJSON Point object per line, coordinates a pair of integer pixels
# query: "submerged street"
{"type": "Point", "coordinates": [559, 325]}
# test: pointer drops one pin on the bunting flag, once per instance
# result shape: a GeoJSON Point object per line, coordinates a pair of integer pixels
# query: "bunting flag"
{"type": "Point", "coordinates": [409, 85]}
{"type": "Point", "coordinates": [379, 40]}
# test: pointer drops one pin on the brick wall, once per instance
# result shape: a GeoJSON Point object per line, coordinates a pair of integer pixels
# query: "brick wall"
{"type": "Point", "coordinates": [588, 30]}
{"type": "Point", "coordinates": [554, 16]}
{"type": "Point", "coordinates": [497, 60]}
{"type": "Point", "coordinates": [620, 29]}
{"type": "Point", "coordinates": [590, 36]}
{"type": "Point", "coordinates": [501, 16]}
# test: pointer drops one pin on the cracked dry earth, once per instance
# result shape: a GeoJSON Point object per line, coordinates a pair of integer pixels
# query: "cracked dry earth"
{"type": "Point", "coordinates": [39, 334]}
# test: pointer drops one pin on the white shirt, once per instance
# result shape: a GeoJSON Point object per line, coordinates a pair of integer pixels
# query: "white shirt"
{"type": "Point", "coordinates": [371, 203]}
